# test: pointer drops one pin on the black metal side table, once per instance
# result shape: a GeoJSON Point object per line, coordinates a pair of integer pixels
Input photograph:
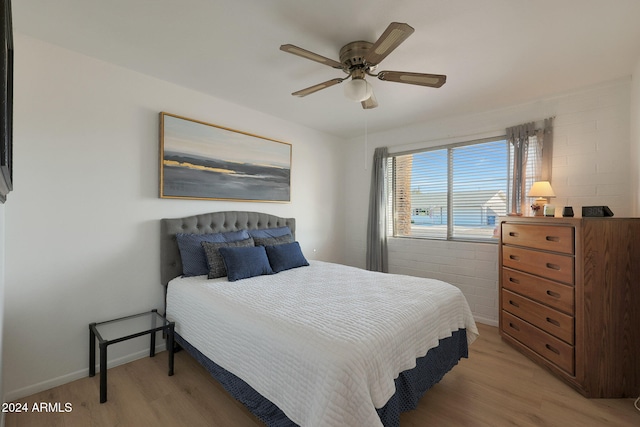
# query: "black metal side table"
{"type": "Point", "coordinates": [122, 329]}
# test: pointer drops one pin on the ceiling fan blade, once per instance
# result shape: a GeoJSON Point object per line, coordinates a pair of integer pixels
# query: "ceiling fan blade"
{"type": "Point", "coordinates": [370, 103]}
{"type": "Point", "coordinates": [392, 37]}
{"type": "Point", "coordinates": [315, 88]}
{"type": "Point", "coordinates": [431, 80]}
{"type": "Point", "coordinates": [310, 55]}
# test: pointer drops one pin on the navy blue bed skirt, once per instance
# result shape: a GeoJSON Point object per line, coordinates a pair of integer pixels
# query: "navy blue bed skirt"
{"type": "Point", "coordinates": [410, 385]}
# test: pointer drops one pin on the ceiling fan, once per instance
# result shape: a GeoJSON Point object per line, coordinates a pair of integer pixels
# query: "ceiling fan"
{"type": "Point", "coordinates": [360, 59]}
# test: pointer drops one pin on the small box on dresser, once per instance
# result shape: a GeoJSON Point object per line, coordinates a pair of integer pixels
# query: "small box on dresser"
{"type": "Point", "coordinates": [570, 299]}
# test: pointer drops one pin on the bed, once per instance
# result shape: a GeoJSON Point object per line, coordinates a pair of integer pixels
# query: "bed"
{"type": "Point", "coordinates": [320, 344]}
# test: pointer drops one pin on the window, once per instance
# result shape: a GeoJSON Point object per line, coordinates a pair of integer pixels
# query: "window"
{"type": "Point", "coordinates": [452, 192]}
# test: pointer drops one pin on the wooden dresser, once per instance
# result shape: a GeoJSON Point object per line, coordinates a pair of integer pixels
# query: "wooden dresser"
{"type": "Point", "coordinates": [570, 299]}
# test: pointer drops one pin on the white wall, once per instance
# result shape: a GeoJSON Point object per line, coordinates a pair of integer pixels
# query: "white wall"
{"type": "Point", "coordinates": [82, 241]}
{"type": "Point", "coordinates": [590, 167]}
{"type": "Point", "coordinates": [2, 280]}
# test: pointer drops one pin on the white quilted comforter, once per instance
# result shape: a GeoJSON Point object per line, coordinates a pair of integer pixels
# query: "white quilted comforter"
{"type": "Point", "coordinates": [324, 342]}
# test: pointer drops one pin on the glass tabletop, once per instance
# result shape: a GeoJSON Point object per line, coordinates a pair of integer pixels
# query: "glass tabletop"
{"type": "Point", "coordinates": [128, 326]}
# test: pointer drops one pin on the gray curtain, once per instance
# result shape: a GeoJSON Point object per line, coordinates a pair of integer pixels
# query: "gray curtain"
{"type": "Point", "coordinates": [547, 149]}
{"type": "Point", "coordinates": [518, 136]}
{"type": "Point", "coordinates": [532, 154]}
{"type": "Point", "coordinates": [377, 222]}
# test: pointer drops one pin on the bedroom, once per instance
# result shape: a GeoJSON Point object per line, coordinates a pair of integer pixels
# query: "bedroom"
{"type": "Point", "coordinates": [86, 177]}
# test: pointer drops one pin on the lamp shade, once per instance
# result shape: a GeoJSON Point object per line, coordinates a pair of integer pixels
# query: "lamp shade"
{"type": "Point", "coordinates": [541, 189]}
{"type": "Point", "coordinates": [357, 90]}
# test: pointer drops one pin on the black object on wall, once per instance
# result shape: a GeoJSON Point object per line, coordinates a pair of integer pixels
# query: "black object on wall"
{"type": "Point", "coordinates": [6, 100]}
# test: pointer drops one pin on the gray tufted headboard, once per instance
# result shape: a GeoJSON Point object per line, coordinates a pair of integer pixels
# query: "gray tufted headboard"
{"type": "Point", "coordinates": [215, 222]}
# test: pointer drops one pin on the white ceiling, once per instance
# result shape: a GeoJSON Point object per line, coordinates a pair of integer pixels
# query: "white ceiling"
{"type": "Point", "coordinates": [495, 53]}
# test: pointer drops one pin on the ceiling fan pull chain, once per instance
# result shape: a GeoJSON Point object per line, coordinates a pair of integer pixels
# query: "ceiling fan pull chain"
{"type": "Point", "coordinates": [366, 142]}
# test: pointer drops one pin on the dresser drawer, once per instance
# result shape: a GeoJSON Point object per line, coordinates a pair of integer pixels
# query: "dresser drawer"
{"type": "Point", "coordinates": [549, 347]}
{"type": "Point", "coordinates": [553, 294]}
{"type": "Point", "coordinates": [552, 266]}
{"type": "Point", "coordinates": [549, 320]}
{"type": "Point", "coordinates": [545, 237]}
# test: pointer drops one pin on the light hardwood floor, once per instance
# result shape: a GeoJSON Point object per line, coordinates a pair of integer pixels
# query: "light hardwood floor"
{"type": "Point", "coordinates": [496, 386]}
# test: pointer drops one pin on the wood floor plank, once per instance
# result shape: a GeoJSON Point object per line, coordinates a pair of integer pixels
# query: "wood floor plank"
{"type": "Point", "coordinates": [496, 386]}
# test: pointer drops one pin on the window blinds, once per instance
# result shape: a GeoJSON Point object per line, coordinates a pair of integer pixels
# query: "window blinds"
{"type": "Point", "coordinates": [454, 192]}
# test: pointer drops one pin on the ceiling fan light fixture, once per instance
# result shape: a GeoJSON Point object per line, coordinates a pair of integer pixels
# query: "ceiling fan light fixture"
{"type": "Point", "coordinates": [358, 90]}
{"type": "Point", "coordinates": [359, 59]}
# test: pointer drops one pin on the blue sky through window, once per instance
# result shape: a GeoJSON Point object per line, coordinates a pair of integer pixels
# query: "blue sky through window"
{"type": "Point", "coordinates": [478, 189]}
{"type": "Point", "coordinates": [489, 161]}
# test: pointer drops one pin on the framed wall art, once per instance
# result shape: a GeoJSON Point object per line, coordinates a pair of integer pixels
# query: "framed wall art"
{"type": "Point", "coordinates": [6, 100]}
{"type": "Point", "coordinates": [200, 160]}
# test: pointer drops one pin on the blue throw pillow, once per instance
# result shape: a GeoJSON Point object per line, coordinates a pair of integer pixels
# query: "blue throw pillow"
{"type": "Point", "coordinates": [270, 232]}
{"type": "Point", "coordinates": [214, 259]}
{"type": "Point", "coordinates": [285, 257]}
{"type": "Point", "coordinates": [242, 263]}
{"type": "Point", "coordinates": [194, 260]}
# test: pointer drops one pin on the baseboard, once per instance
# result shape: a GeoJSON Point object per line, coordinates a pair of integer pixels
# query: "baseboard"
{"type": "Point", "coordinates": [64, 379]}
{"type": "Point", "coordinates": [485, 321]}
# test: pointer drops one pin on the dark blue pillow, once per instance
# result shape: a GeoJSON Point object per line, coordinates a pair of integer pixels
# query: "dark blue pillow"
{"type": "Point", "coordinates": [242, 263]}
{"type": "Point", "coordinates": [285, 257]}
{"type": "Point", "coordinates": [270, 232]}
{"type": "Point", "coordinates": [194, 260]}
{"type": "Point", "coordinates": [214, 259]}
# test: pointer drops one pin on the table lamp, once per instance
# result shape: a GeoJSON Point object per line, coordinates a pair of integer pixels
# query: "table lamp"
{"type": "Point", "coordinates": [542, 191]}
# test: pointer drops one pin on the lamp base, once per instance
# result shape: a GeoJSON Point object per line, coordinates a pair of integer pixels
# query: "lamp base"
{"type": "Point", "coordinates": [538, 206]}
{"type": "Point", "coordinates": [537, 209]}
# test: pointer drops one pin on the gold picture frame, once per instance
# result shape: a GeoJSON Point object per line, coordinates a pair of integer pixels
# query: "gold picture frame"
{"type": "Point", "coordinates": [203, 161]}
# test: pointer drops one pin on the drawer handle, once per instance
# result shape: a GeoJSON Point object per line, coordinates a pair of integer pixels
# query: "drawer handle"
{"type": "Point", "coordinates": [553, 321]}
{"type": "Point", "coordinates": [512, 280]}
{"type": "Point", "coordinates": [513, 234]}
{"type": "Point", "coordinates": [553, 239]}
{"type": "Point", "coordinates": [513, 326]}
{"type": "Point", "coordinates": [553, 349]}
{"type": "Point", "coordinates": [553, 294]}
{"type": "Point", "coordinates": [553, 266]}
{"type": "Point", "coordinates": [514, 257]}
{"type": "Point", "coordinates": [513, 303]}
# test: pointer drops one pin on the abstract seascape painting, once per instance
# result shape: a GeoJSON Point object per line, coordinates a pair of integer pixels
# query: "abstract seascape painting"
{"type": "Point", "coordinates": [204, 161]}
